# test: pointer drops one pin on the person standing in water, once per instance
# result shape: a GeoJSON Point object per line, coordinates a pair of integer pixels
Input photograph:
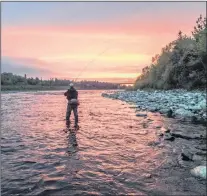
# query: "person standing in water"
{"type": "Point", "coordinates": [72, 97]}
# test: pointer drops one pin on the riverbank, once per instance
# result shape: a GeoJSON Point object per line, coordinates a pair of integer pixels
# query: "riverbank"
{"type": "Point", "coordinates": [182, 104]}
{"type": "Point", "coordinates": [185, 111]}
{"type": "Point", "coordinates": [9, 88]}
{"type": "Point", "coordinates": [182, 135]}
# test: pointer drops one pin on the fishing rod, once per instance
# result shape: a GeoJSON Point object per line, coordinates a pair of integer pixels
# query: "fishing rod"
{"type": "Point", "coordinates": [91, 61]}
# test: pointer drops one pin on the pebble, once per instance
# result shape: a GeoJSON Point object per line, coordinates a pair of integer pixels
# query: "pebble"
{"type": "Point", "coordinates": [147, 175]}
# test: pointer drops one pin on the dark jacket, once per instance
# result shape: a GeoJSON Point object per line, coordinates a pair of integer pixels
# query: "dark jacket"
{"type": "Point", "coordinates": [71, 93]}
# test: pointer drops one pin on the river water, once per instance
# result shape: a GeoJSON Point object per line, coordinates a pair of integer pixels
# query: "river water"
{"type": "Point", "coordinates": [109, 154]}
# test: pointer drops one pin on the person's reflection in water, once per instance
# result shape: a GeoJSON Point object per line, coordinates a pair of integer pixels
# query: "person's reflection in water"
{"type": "Point", "coordinates": [73, 164]}
{"type": "Point", "coordinates": [72, 138]}
{"type": "Point", "coordinates": [72, 141]}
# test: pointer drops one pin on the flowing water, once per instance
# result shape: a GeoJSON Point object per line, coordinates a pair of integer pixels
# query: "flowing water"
{"type": "Point", "coordinates": [109, 154]}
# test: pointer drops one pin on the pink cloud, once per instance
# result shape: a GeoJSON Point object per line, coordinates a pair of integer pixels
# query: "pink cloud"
{"type": "Point", "coordinates": [66, 49]}
{"type": "Point", "coordinates": [40, 42]}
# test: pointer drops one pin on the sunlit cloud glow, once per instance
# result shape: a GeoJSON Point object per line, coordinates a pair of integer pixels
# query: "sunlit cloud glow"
{"type": "Point", "coordinates": [63, 38]}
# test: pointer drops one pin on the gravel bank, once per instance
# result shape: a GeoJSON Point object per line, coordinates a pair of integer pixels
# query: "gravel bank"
{"type": "Point", "coordinates": [186, 142]}
{"type": "Point", "coordinates": [172, 103]}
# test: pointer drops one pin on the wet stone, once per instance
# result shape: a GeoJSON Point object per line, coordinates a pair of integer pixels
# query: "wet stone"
{"type": "Point", "coordinates": [141, 115]}
{"type": "Point", "coordinates": [202, 147]}
{"type": "Point", "coordinates": [187, 156]}
{"type": "Point", "coordinates": [199, 171]}
{"type": "Point", "coordinates": [153, 143]}
{"type": "Point", "coordinates": [188, 136]}
{"type": "Point", "coordinates": [147, 175]}
{"type": "Point", "coordinates": [169, 113]}
{"type": "Point", "coordinates": [199, 158]}
{"type": "Point", "coordinates": [168, 131]}
{"type": "Point", "coordinates": [169, 137]}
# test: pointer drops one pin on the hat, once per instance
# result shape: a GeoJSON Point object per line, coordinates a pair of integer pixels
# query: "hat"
{"type": "Point", "coordinates": [71, 85]}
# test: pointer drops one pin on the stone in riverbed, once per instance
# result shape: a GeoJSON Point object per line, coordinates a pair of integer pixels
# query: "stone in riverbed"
{"type": "Point", "coordinates": [169, 113]}
{"type": "Point", "coordinates": [159, 132]}
{"type": "Point", "coordinates": [169, 137]}
{"type": "Point", "coordinates": [186, 155]}
{"type": "Point", "coordinates": [141, 115]}
{"type": "Point", "coordinates": [199, 158]}
{"type": "Point", "coordinates": [194, 120]}
{"type": "Point", "coordinates": [163, 111]}
{"type": "Point", "coordinates": [183, 113]}
{"type": "Point", "coordinates": [202, 153]}
{"type": "Point", "coordinates": [202, 105]}
{"type": "Point", "coordinates": [152, 109]}
{"type": "Point", "coordinates": [202, 120]}
{"type": "Point", "coordinates": [167, 130]}
{"type": "Point", "coordinates": [199, 171]}
{"type": "Point", "coordinates": [153, 143]}
{"type": "Point", "coordinates": [202, 147]}
{"type": "Point", "coordinates": [188, 136]}
{"type": "Point", "coordinates": [133, 107]}
{"type": "Point", "coordinates": [161, 145]}
{"type": "Point", "coordinates": [147, 175]}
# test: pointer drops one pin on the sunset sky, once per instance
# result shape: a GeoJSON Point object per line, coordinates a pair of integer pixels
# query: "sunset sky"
{"type": "Point", "coordinates": [59, 39]}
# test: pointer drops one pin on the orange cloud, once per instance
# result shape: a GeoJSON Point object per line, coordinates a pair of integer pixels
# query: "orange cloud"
{"type": "Point", "coordinates": [66, 50]}
{"type": "Point", "coordinates": [56, 42]}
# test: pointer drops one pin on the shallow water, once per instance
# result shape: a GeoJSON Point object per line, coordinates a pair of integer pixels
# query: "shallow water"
{"type": "Point", "coordinates": [112, 155]}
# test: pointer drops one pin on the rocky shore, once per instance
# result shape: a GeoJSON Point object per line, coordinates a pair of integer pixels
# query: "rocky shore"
{"type": "Point", "coordinates": [184, 131]}
{"type": "Point", "coordinates": [172, 103]}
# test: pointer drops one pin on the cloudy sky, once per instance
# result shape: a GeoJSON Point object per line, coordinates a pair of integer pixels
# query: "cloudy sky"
{"type": "Point", "coordinates": [60, 39]}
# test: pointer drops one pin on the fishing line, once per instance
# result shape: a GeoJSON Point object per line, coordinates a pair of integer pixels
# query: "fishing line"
{"type": "Point", "coordinates": [90, 107]}
{"type": "Point", "coordinates": [91, 61]}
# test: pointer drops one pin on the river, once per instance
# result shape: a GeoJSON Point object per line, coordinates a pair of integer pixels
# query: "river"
{"type": "Point", "coordinates": [112, 155]}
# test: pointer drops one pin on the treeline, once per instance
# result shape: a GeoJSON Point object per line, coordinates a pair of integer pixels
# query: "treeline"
{"type": "Point", "coordinates": [181, 64]}
{"type": "Point", "coordinates": [10, 79]}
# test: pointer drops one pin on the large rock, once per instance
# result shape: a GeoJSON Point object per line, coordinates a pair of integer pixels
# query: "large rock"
{"type": "Point", "coordinates": [199, 171]}
{"type": "Point", "coordinates": [202, 105]}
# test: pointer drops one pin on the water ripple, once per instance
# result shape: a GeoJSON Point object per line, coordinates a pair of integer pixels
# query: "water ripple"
{"type": "Point", "coordinates": [108, 155]}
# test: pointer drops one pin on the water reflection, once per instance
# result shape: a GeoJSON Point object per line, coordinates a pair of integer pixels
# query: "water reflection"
{"type": "Point", "coordinates": [72, 139]}
{"type": "Point", "coordinates": [109, 154]}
